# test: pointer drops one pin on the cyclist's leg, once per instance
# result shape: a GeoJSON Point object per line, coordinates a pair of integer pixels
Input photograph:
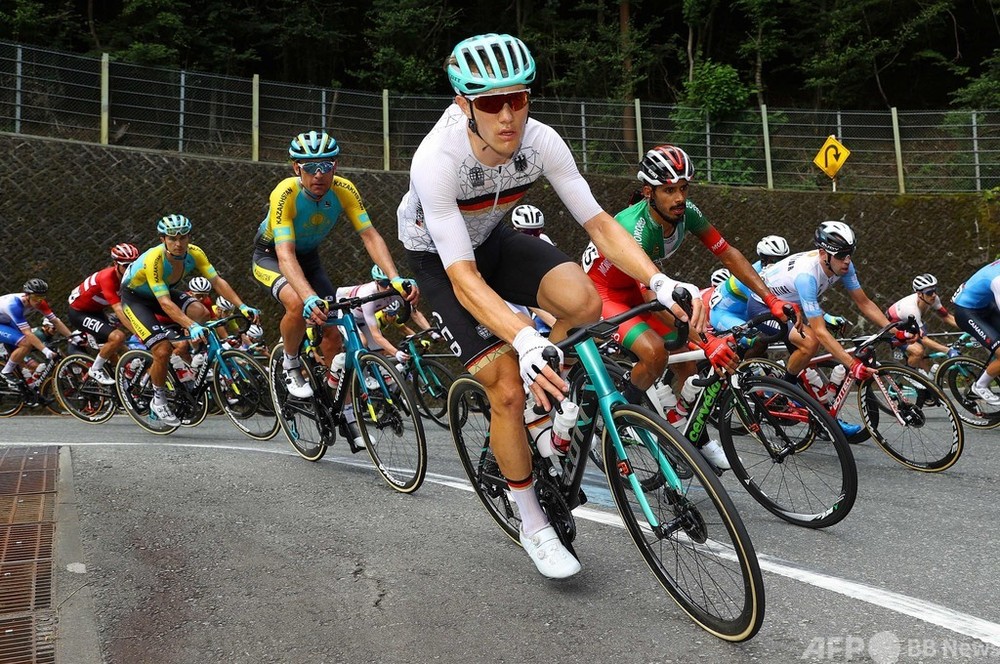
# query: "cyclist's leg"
{"type": "Point", "coordinates": [110, 337]}
{"type": "Point", "coordinates": [983, 325]}
{"type": "Point", "coordinates": [266, 272]}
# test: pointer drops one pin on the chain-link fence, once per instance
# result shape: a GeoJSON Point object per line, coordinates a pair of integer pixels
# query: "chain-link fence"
{"type": "Point", "coordinates": [47, 93]}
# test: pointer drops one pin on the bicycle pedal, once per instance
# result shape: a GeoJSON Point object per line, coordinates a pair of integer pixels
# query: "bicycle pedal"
{"type": "Point", "coordinates": [583, 497]}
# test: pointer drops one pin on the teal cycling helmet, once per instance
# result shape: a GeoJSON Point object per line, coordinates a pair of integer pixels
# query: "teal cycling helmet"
{"type": "Point", "coordinates": [174, 224]}
{"type": "Point", "coordinates": [487, 62]}
{"type": "Point", "coordinates": [313, 145]}
{"type": "Point", "coordinates": [378, 274]}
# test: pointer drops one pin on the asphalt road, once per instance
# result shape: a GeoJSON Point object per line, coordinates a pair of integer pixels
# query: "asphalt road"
{"type": "Point", "coordinates": [206, 546]}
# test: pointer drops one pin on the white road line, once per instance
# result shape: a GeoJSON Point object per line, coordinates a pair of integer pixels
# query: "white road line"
{"type": "Point", "coordinates": [929, 612]}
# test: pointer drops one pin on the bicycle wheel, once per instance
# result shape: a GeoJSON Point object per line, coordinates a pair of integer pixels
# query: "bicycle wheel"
{"type": "Point", "coordinates": [788, 452]}
{"type": "Point", "coordinates": [11, 401]}
{"type": "Point", "coordinates": [955, 377]}
{"type": "Point", "coordinates": [914, 422]}
{"type": "Point", "coordinates": [47, 395]}
{"type": "Point", "coordinates": [245, 396]}
{"type": "Point", "coordinates": [469, 421]}
{"type": "Point", "coordinates": [699, 550]}
{"type": "Point", "coordinates": [135, 390]}
{"type": "Point", "coordinates": [390, 424]}
{"type": "Point", "coordinates": [431, 390]}
{"type": "Point", "coordinates": [297, 417]}
{"type": "Point", "coordinates": [83, 398]}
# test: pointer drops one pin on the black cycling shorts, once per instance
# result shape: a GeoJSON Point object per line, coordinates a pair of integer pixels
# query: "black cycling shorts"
{"type": "Point", "coordinates": [150, 322]}
{"type": "Point", "coordinates": [265, 271]}
{"type": "Point", "coordinates": [511, 263]}
{"type": "Point", "coordinates": [982, 324]}
{"type": "Point", "coordinates": [97, 324]}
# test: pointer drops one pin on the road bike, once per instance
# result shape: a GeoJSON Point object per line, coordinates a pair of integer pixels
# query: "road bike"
{"type": "Point", "coordinates": [39, 393]}
{"type": "Point", "coordinates": [429, 378]}
{"type": "Point", "coordinates": [956, 376]}
{"type": "Point", "coordinates": [383, 402]}
{"type": "Point", "coordinates": [82, 396]}
{"type": "Point", "coordinates": [671, 502]}
{"type": "Point", "coordinates": [238, 383]}
{"type": "Point", "coordinates": [906, 414]}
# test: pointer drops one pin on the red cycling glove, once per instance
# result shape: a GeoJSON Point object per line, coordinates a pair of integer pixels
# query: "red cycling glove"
{"type": "Point", "coordinates": [861, 371]}
{"type": "Point", "coordinates": [719, 353]}
{"type": "Point", "coordinates": [777, 306]}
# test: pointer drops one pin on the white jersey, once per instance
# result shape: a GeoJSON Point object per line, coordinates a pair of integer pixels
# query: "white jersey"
{"type": "Point", "coordinates": [364, 315]}
{"type": "Point", "coordinates": [910, 306]}
{"type": "Point", "coordinates": [455, 201]}
{"type": "Point", "coordinates": [800, 279]}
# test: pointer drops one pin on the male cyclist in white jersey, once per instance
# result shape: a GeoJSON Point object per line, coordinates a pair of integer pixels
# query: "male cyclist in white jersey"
{"type": "Point", "coordinates": [802, 278]}
{"type": "Point", "coordinates": [474, 166]}
{"type": "Point", "coordinates": [923, 300]}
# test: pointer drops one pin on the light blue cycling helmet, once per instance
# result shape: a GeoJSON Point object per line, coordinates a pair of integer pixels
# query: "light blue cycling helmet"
{"type": "Point", "coordinates": [487, 62]}
{"type": "Point", "coordinates": [378, 274]}
{"type": "Point", "coordinates": [313, 145]}
{"type": "Point", "coordinates": [174, 224]}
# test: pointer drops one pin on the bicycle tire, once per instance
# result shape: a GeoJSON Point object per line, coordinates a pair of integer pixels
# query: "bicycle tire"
{"type": "Point", "coordinates": [297, 418]}
{"type": "Point", "coordinates": [81, 396]}
{"type": "Point", "coordinates": [469, 420]}
{"type": "Point", "coordinates": [432, 391]}
{"type": "Point", "coordinates": [390, 423]}
{"type": "Point", "coordinates": [11, 402]}
{"type": "Point", "coordinates": [766, 367]}
{"type": "Point", "coordinates": [245, 397]}
{"type": "Point", "coordinates": [716, 582]}
{"type": "Point", "coordinates": [135, 391]}
{"type": "Point", "coordinates": [792, 457]}
{"type": "Point", "coordinates": [955, 377]}
{"type": "Point", "coordinates": [912, 443]}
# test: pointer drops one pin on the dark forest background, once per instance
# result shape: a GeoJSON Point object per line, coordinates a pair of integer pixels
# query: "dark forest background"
{"type": "Point", "coordinates": [710, 54]}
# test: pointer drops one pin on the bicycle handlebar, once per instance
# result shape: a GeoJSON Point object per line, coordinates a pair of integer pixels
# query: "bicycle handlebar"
{"type": "Point", "coordinates": [422, 333]}
{"type": "Point", "coordinates": [351, 302]}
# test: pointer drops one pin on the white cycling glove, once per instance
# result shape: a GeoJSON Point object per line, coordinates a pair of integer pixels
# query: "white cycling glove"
{"type": "Point", "coordinates": [529, 345]}
{"type": "Point", "coordinates": [48, 353]}
{"type": "Point", "coordinates": [664, 287]}
{"type": "Point", "coordinates": [402, 356]}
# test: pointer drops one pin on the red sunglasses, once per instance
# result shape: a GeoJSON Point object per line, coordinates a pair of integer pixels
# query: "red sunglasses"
{"type": "Point", "coordinates": [494, 103]}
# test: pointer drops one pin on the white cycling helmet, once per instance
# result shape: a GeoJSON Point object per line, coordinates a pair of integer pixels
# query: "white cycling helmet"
{"type": "Point", "coordinates": [527, 218]}
{"type": "Point", "coordinates": [200, 285]}
{"type": "Point", "coordinates": [224, 304]}
{"type": "Point", "coordinates": [773, 246]}
{"type": "Point", "coordinates": [835, 237]}
{"type": "Point", "coordinates": [255, 331]}
{"type": "Point", "coordinates": [923, 282]}
{"type": "Point", "coordinates": [720, 275]}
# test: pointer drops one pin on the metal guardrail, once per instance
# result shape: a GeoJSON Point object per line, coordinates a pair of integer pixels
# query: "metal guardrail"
{"type": "Point", "coordinates": [50, 93]}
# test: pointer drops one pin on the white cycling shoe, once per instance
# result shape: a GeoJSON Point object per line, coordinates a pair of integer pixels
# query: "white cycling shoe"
{"type": "Point", "coordinates": [296, 385]}
{"type": "Point", "coordinates": [715, 455]}
{"type": "Point", "coordinates": [161, 414]}
{"type": "Point", "coordinates": [986, 394]}
{"type": "Point", "coordinates": [101, 377]}
{"type": "Point", "coordinates": [551, 558]}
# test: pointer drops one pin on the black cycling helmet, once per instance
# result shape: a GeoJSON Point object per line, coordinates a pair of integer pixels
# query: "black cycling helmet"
{"type": "Point", "coordinates": [35, 286]}
{"type": "Point", "coordinates": [835, 237]}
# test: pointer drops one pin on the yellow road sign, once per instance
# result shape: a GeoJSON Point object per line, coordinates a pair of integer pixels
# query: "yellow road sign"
{"type": "Point", "coordinates": [831, 156]}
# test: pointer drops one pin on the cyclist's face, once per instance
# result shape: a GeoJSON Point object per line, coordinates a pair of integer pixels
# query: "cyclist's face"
{"type": "Point", "coordinates": [177, 245]}
{"type": "Point", "coordinates": [840, 266]}
{"type": "Point", "coordinates": [317, 183]}
{"type": "Point", "coordinates": [502, 129]}
{"type": "Point", "coordinates": [669, 200]}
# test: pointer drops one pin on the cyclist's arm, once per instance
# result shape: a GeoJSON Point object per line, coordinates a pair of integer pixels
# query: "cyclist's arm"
{"type": "Point", "coordinates": [225, 290]}
{"type": "Point", "coordinates": [868, 309]}
{"type": "Point", "coordinates": [617, 245]}
{"type": "Point", "coordinates": [826, 339]}
{"type": "Point", "coordinates": [46, 311]}
{"type": "Point", "coordinates": [485, 305]}
{"type": "Point", "coordinates": [379, 251]}
{"type": "Point", "coordinates": [173, 311]}
{"type": "Point", "coordinates": [419, 319]}
{"type": "Point", "coordinates": [741, 268]}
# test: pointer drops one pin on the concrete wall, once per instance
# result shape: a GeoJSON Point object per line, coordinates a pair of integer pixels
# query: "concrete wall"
{"type": "Point", "coordinates": [65, 203]}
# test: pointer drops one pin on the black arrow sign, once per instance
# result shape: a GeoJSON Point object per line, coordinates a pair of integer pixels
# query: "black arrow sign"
{"type": "Point", "coordinates": [826, 155]}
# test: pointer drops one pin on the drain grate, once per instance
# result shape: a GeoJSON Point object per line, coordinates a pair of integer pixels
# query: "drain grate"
{"type": "Point", "coordinates": [28, 477]}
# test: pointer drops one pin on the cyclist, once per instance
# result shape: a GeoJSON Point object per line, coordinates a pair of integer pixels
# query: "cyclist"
{"type": "Point", "coordinates": [89, 302]}
{"type": "Point", "coordinates": [150, 292]}
{"type": "Point", "coordinates": [200, 289]}
{"type": "Point", "coordinates": [659, 221]}
{"type": "Point", "coordinates": [802, 278]}
{"type": "Point", "coordinates": [301, 212]}
{"type": "Point", "coordinates": [472, 167]}
{"type": "Point", "coordinates": [977, 312]}
{"type": "Point", "coordinates": [923, 299]}
{"type": "Point", "coordinates": [16, 334]}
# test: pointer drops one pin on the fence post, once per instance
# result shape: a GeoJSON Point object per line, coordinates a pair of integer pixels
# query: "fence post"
{"type": "Point", "coordinates": [899, 151]}
{"type": "Point", "coordinates": [105, 96]}
{"type": "Point", "coordinates": [180, 112]}
{"type": "Point", "coordinates": [975, 150]}
{"type": "Point", "coordinates": [767, 146]}
{"type": "Point", "coordinates": [708, 150]}
{"type": "Point", "coordinates": [17, 89]}
{"type": "Point", "coordinates": [385, 129]}
{"type": "Point", "coordinates": [638, 129]}
{"type": "Point", "coordinates": [255, 118]}
{"type": "Point", "coordinates": [583, 133]}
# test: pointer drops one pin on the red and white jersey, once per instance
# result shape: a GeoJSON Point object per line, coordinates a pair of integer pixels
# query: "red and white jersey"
{"type": "Point", "coordinates": [97, 291]}
{"type": "Point", "coordinates": [910, 306]}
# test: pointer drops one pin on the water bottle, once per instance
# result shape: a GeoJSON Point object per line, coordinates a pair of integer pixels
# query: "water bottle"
{"type": "Point", "coordinates": [837, 376]}
{"type": "Point", "coordinates": [562, 425]}
{"type": "Point", "coordinates": [336, 371]}
{"type": "Point", "coordinates": [538, 427]}
{"type": "Point", "coordinates": [666, 396]}
{"type": "Point", "coordinates": [181, 368]}
{"type": "Point", "coordinates": [689, 392]}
